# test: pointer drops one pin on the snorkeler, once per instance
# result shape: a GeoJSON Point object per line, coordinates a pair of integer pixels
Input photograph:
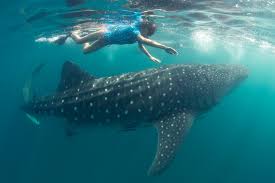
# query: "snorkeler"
{"type": "Point", "coordinates": [137, 31]}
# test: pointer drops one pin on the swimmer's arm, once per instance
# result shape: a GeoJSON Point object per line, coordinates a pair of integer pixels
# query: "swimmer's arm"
{"type": "Point", "coordinates": [146, 52]}
{"type": "Point", "coordinates": [155, 44]}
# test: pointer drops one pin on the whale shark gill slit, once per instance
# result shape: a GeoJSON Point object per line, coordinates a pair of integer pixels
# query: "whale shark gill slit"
{"type": "Point", "coordinates": [171, 131]}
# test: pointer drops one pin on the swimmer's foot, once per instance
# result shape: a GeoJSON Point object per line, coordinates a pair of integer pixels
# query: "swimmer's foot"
{"type": "Point", "coordinates": [171, 51]}
{"type": "Point", "coordinates": [155, 60]}
{"type": "Point", "coordinates": [148, 12]}
{"type": "Point", "coordinates": [61, 39]}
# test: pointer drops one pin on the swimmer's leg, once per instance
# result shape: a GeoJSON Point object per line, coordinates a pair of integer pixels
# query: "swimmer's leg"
{"type": "Point", "coordinates": [88, 38]}
{"type": "Point", "coordinates": [98, 44]}
{"type": "Point", "coordinates": [61, 39]}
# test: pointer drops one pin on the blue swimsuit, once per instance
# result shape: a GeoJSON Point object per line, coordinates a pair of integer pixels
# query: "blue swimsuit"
{"type": "Point", "coordinates": [123, 33]}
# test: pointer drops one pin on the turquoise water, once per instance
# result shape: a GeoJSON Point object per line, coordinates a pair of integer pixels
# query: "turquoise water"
{"type": "Point", "coordinates": [234, 142]}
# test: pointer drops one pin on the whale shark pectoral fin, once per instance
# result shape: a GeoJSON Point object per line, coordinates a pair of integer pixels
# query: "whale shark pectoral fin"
{"type": "Point", "coordinates": [33, 119]}
{"type": "Point", "coordinates": [72, 76]}
{"type": "Point", "coordinates": [171, 131]}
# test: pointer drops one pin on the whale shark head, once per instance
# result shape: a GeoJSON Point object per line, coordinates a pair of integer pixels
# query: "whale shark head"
{"type": "Point", "coordinates": [225, 78]}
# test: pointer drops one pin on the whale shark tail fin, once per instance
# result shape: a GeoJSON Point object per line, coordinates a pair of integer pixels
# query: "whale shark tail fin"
{"type": "Point", "coordinates": [72, 76]}
{"type": "Point", "coordinates": [171, 131]}
{"type": "Point", "coordinates": [27, 89]}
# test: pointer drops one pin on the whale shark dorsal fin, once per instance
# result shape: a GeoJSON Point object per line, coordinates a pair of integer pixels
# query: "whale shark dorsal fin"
{"type": "Point", "coordinates": [171, 131]}
{"type": "Point", "coordinates": [72, 76]}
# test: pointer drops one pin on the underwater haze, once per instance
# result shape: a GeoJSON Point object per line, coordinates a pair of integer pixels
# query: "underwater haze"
{"type": "Point", "coordinates": [233, 142]}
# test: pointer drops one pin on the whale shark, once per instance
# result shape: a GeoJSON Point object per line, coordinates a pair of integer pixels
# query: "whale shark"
{"type": "Point", "coordinates": [168, 98]}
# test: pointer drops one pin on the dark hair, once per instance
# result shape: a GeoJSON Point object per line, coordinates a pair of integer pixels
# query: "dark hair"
{"type": "Point", "coordinates": [149, 26]}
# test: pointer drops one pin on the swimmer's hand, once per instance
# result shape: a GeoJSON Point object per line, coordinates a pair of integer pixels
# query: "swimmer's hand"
{"type": "Point", "coordinates": [155, 60]}
{"type": "Point", "coordinates": [171, 51]}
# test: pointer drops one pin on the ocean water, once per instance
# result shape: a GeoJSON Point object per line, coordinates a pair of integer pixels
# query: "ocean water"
{"type": "Point", "coordinates": [234, 142]}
